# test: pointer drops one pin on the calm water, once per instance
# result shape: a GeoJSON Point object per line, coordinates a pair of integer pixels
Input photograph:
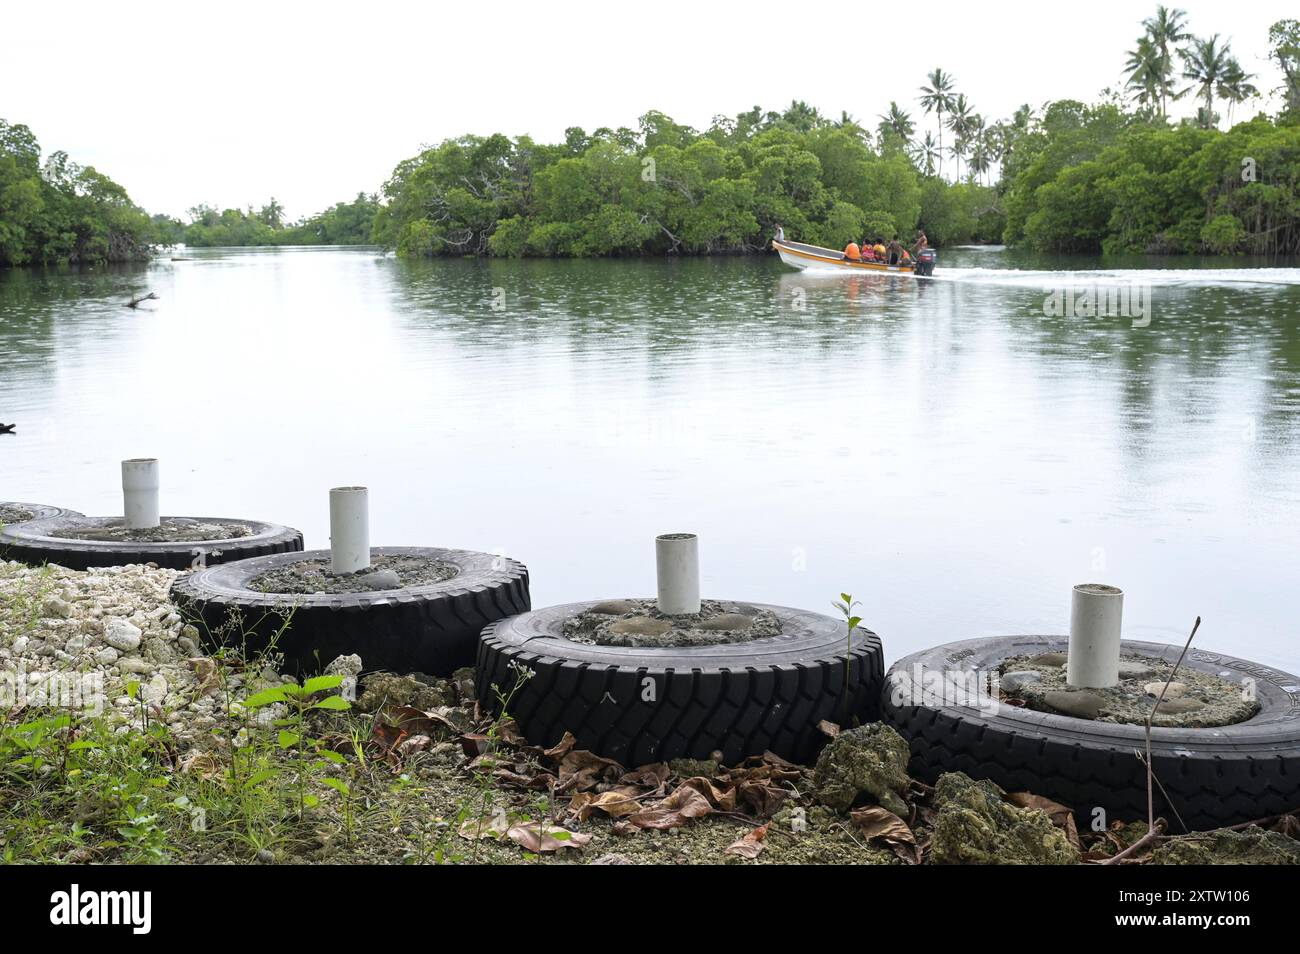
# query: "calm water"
{"type": "Point", "coordinates": [940, 449]}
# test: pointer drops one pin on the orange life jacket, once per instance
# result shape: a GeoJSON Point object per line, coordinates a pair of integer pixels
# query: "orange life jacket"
{"type": "Point", "coordinates": [852, 252]}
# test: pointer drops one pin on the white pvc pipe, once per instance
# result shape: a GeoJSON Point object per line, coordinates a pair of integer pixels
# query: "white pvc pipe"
{"type": "Point", "coordinates": [349, 529]}
{"type": "Point", "coordinates": [677, 565]}
{"type": "Point", "coordinates": [140, 493]}
{"type": "Point", "coordinates": [1095, 614]}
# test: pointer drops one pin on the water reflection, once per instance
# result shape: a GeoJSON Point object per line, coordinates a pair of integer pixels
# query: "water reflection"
{"type": "Point", "coordinates": [940, 447]}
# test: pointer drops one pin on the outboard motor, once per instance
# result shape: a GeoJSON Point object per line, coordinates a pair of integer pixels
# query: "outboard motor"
{"type": "Point", "coordinates": [925, 260]}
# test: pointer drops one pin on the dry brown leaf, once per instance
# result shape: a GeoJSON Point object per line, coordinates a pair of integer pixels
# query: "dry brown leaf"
{"type": "Point", "coordinates": [205, 672]}
{"type": "Point", "coordinates": [563, 747]}
{"type": "Point", "coordinates": [1062, 817]}
{"type": "Point", "coordinates": [203, 765]}
{"type": "Point", "coordinates": [674, 811]}
{"type": "Point", "coordinates": [828, 728]}
{"type": "Point", "coordinates": [647, 776]}
{"type": "Point", "coordinates": [540, 782]}
{"type": "Point", "coordinates": [750, 844]}
{"type": "Point", "coordinates": [508, 732]}
{"type": "Point", "coordinates": [879, 823]}
{"type": "Point", "coordinates": [530, 835]}
{"type": "Point", "coordinates": [540, 839]}
{"type": "Point", "coordinates": [719, 797]}
{"type": "Point", "coordinates": [761, 798]}
{"type": "Point", "coordinates": [771, 758]}
{"type": "Point", "coordinates": [581, 770]}
{"type": "Point", "coordinates": [416, 743]}
{"type": "Point", "coordinates": [395, 724]}
{"type": "Point", "coordinates": [615, 803]}
{"type": "Point", "coordinates": [486, 826]}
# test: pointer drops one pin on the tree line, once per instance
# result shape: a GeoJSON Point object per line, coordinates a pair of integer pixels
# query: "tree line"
{"type": "Point", "coordinates": [1114, 176]}
{"type": "Point", "coordinates": [344, 223]}
{"type": "Point", "coordinates": [58, 212]}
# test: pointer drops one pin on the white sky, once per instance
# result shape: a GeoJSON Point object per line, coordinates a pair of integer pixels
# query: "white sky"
{"type": "Point", "coordinates": [232, 102]}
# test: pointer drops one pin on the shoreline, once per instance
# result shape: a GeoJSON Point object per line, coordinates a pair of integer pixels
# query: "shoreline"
{"type": "Point", "coordinates": [443, 782]}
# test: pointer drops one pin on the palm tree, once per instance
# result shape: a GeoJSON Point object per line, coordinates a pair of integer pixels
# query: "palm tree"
{"type": "Point", "coordinates": [802, 117]}
{"type": "Point", "coordinates": [925, 152]}
{"type": "Point", "coordinates": [849, 123]}
{"type": "Point", "coordinates": [1236, 86]}
{"type": "Point", "coordinates": [1165, 31]}
{"type": "Point", "coordinates": [997, 141]}
{"type": "Point", "coordinates": [1148, 73]}
{"type": "Point", "coordinates": [961, 122]}
{"type": "Point", "coordinates": [272, 213]}
{"type": "Point", "coordinates": [983, 145]}
{"type": "Point", "coordinates": [1205, 63]}
{"type": "Point", "coordinates": [936, 98]}
{"type": "Point", "coordinates": [896, 122]}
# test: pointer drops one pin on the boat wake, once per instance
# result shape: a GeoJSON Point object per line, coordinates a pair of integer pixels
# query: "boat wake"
{"type": "Point", "coordinates": [1169, 277]}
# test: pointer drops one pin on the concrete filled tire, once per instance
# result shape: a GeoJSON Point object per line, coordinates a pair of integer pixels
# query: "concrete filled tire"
{"type": "Point", "coordinates": [431, 629]}
{"type": "Point", "coordinates": [1211, 776]}
{"type": "Point", "coordinates": [37, 542]}
{"type": "Point", "coordinates": [643, 705]}
{"type": "Point", "coordinates": [13, 513]}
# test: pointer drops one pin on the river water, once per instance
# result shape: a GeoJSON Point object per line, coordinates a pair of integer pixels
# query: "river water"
{"type": "Point", "coordinates": [955, 453]}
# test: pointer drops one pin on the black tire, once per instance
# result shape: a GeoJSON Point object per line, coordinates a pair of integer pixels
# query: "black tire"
{"type": "Point", "coordinates": [740, 699]}
{"type": "Point", "coordinates": [1213, 777]}
{"type": "Point", "coordinates": [34, 543]}
{"type": "Point", "coordinates": [34, 511]}
{"type": "Point", "coordinates": [431, 629]}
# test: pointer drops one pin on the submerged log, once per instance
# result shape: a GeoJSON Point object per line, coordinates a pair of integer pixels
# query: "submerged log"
{"type": "Point", "coordinates": [152, 296]}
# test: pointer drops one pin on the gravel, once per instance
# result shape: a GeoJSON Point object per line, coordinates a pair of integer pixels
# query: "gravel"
{"type": "Point", "coordinates": [385, 573]}
{"type": "Point", "coordinates": [81, 639]}
{"type": "Point", "coordinates": [1195, 700]}
{"type": "Point", "coordinates": [169, 530]}
{"type": "Point", "coordinates": [638, 622]}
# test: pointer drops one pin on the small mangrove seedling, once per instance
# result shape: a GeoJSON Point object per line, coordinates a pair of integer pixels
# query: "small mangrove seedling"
{"type": "Point", "coordinates": [310, 754]}
{"type": "Point", "coordinates": [846, 604]}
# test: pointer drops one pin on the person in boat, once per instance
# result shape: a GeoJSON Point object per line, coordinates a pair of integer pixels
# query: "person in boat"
{"type": "Point", "coordinates": [895, 252]}
{"type": "Point", "coordinates": [852, 253]}
{"type": "Point", "coordinates": [780, 233]}
{"type": "Point", "coordinates": [879, 249]}
{"type": "Point", "coordinates": [921, 244]}
{"type": "Point", "coordinates": [868, 251]}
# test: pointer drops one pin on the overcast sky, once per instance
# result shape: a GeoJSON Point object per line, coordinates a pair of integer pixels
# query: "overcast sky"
{"type": "Point", "coordinates": [232, 102]}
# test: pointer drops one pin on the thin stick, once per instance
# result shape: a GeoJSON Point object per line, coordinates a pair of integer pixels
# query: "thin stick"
{"type": "Point", "coordinates": [1259, 821]}
{"type": "Point", "coordinates": [1151, 802]}
{"type": "Point", "coordinates": [1156, 831]}
{"type": "Point", "coordinates": [1164, 792]}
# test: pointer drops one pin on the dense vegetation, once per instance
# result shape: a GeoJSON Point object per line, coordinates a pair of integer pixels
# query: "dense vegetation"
{"type": "Point", "coordinates": [1115, 177]}
{"type": "Point", "coordinates": [58, 211]}
{"type": "Point", "coordinates": [1107, 179]}
{"type": "Point", "coordinates": [345, 223]}
{"type": "Point", "coordinates": [666, 188]}
{"type": "Point", "coordinates": [1094, 179]}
